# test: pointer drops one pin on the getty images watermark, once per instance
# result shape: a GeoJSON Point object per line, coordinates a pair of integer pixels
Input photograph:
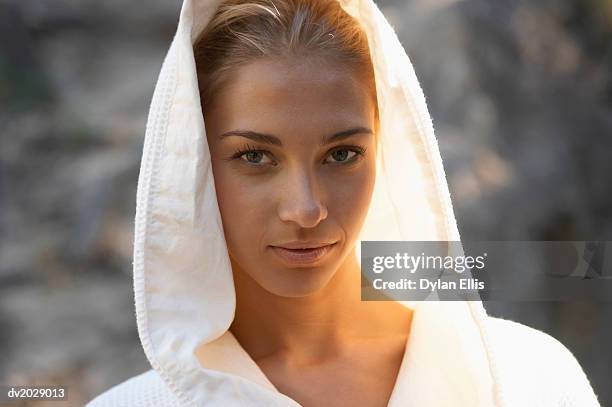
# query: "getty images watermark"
{"type": "Point", "coordinates": [487, 270]}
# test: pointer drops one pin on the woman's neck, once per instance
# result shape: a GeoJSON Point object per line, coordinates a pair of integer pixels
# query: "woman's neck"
{"type": "Point", "coordinates": [313, 328]}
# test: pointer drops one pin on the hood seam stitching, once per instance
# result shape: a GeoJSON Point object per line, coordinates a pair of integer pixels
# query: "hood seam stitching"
{"type": "Point", "coordinates": [158, 132]}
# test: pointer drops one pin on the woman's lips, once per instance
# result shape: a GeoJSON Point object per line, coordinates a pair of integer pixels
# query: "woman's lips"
{"type": "Point", "coordinates": [302, 256]}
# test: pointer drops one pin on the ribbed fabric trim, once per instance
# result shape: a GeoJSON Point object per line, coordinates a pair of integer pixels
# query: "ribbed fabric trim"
{"type": "Point", "coordinates": [155, 133]}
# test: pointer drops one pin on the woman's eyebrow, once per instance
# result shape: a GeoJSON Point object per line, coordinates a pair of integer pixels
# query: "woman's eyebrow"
{"type": "Point", "coordinates": [341, 135]}
{"type": "Point", "coordinates": [270, 139]}
{"type": "Point", "coordinates": [253, 135]}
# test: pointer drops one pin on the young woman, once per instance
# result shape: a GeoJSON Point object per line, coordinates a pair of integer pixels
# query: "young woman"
{"type": "Point", "coordinates": [281, 134]}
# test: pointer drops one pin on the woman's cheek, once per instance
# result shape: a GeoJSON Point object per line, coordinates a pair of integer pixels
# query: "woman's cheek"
{"type": "Point", "coordinates": [244, 204]}
{"type": "Point", "coordinates": [353, 200]}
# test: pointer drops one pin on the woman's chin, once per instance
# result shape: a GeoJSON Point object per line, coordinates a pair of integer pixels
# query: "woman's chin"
{"type": "Point", "coordinates": [295, 283]}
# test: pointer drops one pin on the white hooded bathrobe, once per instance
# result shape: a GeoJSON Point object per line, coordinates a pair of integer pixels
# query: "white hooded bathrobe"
{"type": "Point", "coordinates": [456, 355]}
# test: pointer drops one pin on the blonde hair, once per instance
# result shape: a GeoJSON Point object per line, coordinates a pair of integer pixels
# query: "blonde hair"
{"type": "Point", "coordinates": [242, 31]}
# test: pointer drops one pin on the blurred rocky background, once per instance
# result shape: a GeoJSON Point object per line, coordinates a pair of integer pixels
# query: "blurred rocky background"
{"type": "Point", "coordinates": [520, 93]}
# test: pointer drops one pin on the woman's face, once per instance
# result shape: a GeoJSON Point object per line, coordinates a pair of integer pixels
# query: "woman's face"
{"type": "Point", "coordinates": [293, 155]}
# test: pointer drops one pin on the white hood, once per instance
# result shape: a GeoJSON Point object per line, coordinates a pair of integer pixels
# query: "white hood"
{"type": "Point", "coordinates": [184, 293]}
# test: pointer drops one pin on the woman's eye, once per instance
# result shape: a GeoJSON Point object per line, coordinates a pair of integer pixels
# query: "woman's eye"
{"type": "Point", "coordinates": [255, 157]}
{"type": "Point", "coordinates": [342, 155]}
{"type": "Point", "coordinates": [261, 157]}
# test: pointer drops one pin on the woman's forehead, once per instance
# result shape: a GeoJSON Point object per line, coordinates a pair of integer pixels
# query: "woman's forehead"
{"type": "Point", "coordinates": [278, 96]}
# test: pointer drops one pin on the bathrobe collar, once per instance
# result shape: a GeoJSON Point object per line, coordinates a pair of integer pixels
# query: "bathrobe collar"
{"type": "Point", "coordinates": [444, 364]}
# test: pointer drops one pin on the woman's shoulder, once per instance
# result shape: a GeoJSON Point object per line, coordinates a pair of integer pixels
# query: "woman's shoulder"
{"type": "Point", "coordinates": [144, 390]}
{"type": "Point", "coordinates": [536, 365]}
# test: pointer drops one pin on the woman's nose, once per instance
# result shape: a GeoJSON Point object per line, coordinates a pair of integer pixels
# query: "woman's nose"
{"type": "Point", "coordinates": [301, 202]}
